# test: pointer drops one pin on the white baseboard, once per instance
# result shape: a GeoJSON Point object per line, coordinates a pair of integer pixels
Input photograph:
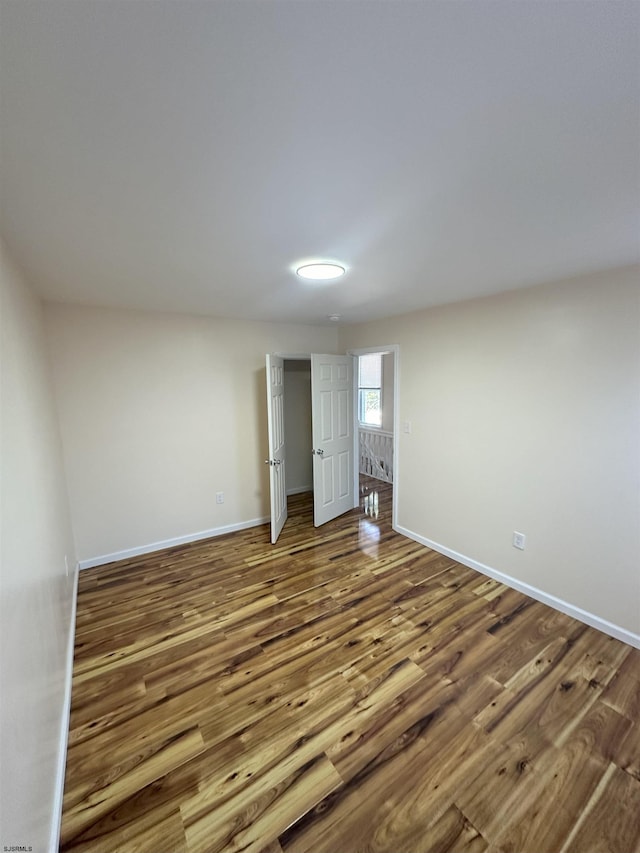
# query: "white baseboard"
{"type": "Point", "coordinates": [557, 603]}
{"type": "Point", "coordinates": [298, 490]}
{"type": "Point", "coordinates": [56, 820]}
{"type": "Point", "coordinates": [170, 543]}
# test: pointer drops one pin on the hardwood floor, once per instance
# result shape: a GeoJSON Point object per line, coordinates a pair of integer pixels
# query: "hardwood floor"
{"type": "Point", "coordinates": [344, 690]}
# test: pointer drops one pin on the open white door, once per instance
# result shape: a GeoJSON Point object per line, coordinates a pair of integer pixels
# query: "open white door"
{"type": "Point", "coordinates": [275, 419]}
{"type": "Point", "coordinates": [332, 413]}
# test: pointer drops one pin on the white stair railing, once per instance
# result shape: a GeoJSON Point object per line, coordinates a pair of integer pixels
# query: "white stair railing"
{"type": "Point", "coordinates": [376, 454]}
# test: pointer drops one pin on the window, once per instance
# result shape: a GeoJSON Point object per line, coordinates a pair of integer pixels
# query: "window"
{"type": "Point", "coordinates": [370, 389]}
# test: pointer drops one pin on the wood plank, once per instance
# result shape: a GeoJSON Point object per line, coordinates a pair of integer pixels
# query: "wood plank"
{"type": "Point", "coordinates": [452, 831]}
{"type": "Point", "coordinates": [245, 824]}
{"type": "Point", "coordinates": [623, 691]}
{"type": "Point", "coordinates": [163, 833]}
{"type": "Point", "coordinates": [86, 804]}
{"type": "Point", "coordinates": [566, 780]}
{"type": "Point", "coordinates": [610, 822]}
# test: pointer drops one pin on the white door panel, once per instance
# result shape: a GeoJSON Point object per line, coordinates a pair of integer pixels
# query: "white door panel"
{"type": "Point", "coordinates": [344, 474]}
{"type": "Point", "coordinates": [332, 412]}
{"type": "Point", "coordinates": [343, 398]}
{"type": "Point", "coordinates": [276, 460]}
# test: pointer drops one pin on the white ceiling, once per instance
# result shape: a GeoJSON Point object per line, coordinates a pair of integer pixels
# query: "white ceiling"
{"type": "Point", "coordinates": [184, 155]}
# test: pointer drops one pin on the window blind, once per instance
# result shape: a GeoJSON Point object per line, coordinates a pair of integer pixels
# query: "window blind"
{"type": "Point", "coordinates": [370, 370]}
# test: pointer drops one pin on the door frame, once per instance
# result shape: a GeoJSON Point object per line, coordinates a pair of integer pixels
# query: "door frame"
{"type": "Point", "coordinates": [293, 356]}
{"type": "Point", "coordinates": [355, 351]}
{"type": "Point", "coordinates": [395, 349]}
{"type": "Point", "coordinates": [277, 452]}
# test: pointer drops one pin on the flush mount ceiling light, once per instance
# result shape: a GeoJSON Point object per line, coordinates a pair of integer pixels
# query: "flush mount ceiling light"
{"type": "Point", "coordinates": [320, 271]}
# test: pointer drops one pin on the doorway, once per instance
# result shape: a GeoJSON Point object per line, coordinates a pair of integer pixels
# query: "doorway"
{"type": "Point", "coordinates": [316, 397]}
{"type": "Point", "coordinates": [332, 430]}
{"type": "Point", "coordinates": [375, 407]}
{"type": "Point", "coordinates": [297, 426]}
{"type": "Point", "coordinates": [377, 445]}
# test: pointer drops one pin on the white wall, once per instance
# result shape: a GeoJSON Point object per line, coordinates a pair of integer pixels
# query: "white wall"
{"type": "Point", "coordinates": [525, 414]}
{"type": "Point", "coordinates": [297, 426]}
{"type": "Point", "coordinates": [36, 595]}
{"type": "Point", "coordinates": [159, 412]}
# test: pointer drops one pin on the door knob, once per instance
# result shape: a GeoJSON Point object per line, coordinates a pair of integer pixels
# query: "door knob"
{"type": "Point", "coordinates": [319, 452]}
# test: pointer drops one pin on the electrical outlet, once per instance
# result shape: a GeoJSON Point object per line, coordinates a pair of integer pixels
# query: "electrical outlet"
{"type": "Point", "coordinates": [519, 540]}
{"type": "Point", "coordinates": [219, 497]}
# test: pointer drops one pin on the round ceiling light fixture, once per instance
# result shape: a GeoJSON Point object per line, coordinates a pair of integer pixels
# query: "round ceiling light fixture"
{"type": "Point", "coordinates": [322, 271]}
